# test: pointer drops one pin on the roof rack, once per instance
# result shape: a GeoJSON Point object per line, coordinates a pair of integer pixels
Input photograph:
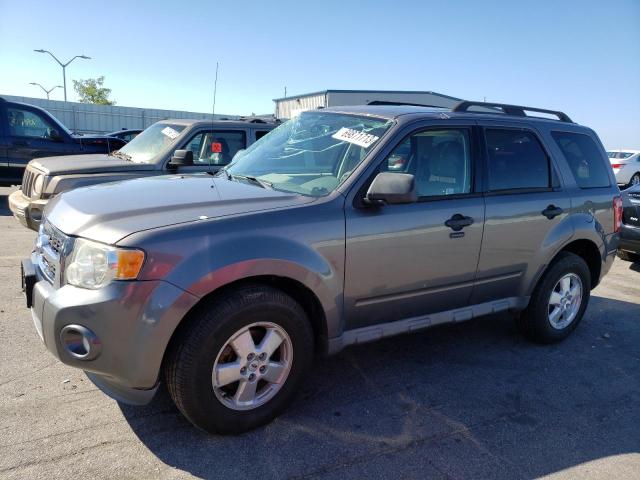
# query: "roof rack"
{"type": "Point", "coordinates": [384, 102]}
{"type": "Point", "coordinates": [516, 110]}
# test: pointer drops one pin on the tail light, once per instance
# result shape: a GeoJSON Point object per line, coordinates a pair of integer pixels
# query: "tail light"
{"type": "Point", "coordinates": [617, 213]}
{"type": "Point", "coordinates": [616, 165]}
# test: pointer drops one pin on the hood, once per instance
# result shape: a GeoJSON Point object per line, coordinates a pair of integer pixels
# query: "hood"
{"type": "Point", "coordinates": [93, 163]}
{"type": "Point", "coordinates": [109, 212]}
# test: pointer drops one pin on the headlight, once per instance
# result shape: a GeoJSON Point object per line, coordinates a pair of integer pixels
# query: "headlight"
{"type": "Point", "coordinates": [94, 265]}
{"type": "Point", "coordinates": [36, 190]}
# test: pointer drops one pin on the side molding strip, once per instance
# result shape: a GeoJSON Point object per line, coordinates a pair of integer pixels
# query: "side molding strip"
{"type": "Point", "coordinates": [376, 332]}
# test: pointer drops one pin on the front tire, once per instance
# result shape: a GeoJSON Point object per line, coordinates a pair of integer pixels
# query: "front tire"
{"type": "Point", "coordinates": [238, 362]}
{"type": "Point", "coordinates": [558, 301]}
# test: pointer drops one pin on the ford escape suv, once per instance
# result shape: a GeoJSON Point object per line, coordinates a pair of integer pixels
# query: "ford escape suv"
{"type": "Point", "coordinates": [315, 238]}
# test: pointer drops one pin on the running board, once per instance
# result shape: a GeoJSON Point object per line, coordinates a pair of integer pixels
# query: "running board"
{"type": "Point", "coordinates": [376, 332]}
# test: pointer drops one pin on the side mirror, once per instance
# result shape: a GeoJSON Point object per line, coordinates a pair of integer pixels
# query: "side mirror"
{"type": "Point", "coordinates": [55, 135]}
{"type": "Point", "coordinates": [181, 158]}
{"type": "Point", "coordinates": [391, 188]}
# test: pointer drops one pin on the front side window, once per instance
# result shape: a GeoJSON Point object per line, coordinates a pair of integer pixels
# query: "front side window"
{"type": "Point", "coordinates": [216, 148]}
{"type": "Point", "coordinates": [515, 161]}
{"type": "Point", "coordinates": [440, 161]}
{"type": "Point", "coordinates": [25, 123]}
{"type": "Point", "coordinates": [311, 154]}
{"type": "Point", "coordinates": [151, 141]}
{"type": "Point", "coordinates": [584, 158]}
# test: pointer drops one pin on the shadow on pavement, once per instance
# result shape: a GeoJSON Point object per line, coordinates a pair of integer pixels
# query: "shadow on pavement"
{"type": "Point", "coordinates": [472, 400]}
{"type": "Point", "coordinates": [4, 205]}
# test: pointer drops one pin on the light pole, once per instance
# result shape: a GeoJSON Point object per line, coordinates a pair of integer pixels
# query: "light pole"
{"type": "Point", "coordinates": [64, 66]}
{"type": "Point", "coordinates": [45, 90]}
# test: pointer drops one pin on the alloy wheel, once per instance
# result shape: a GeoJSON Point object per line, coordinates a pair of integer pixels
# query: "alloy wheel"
{"type": "Point", "coordinates": [565, 301]}
{"type": "Point", "coordinates": [252, 366]}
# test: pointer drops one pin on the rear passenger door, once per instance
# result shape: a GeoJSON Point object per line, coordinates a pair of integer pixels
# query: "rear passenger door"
{"type": "Point", "coordinates": [525, 211]}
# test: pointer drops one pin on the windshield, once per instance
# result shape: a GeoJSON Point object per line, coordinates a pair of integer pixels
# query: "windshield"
{"type": "Point", "coordinates": [619, 155]}
{"type": "Point", "coordinates": [311, 154]}
{"type": "Point", "coordinates": [151, 141]}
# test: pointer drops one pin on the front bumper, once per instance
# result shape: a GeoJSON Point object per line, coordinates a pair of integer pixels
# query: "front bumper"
{"type": "Point", "coordinates": [28, 212]}
{"type": "Point", "coordinates": [629, 238]}
{"type": "Point", "coordinates": [131, 324]}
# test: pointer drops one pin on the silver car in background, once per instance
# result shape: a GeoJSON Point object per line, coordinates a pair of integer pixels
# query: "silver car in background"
{"type": "Point", "coordinates": [626, 166]}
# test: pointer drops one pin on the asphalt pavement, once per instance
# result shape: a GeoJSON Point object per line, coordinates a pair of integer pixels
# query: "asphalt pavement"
{"type": "Point", "coordinates": [473, 400]}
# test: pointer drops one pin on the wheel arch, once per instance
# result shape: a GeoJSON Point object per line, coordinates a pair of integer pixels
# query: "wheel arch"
{"type": "Point", "coordinates": [301, 293]}
{"type": "Point", "coordinates": [590, 253]}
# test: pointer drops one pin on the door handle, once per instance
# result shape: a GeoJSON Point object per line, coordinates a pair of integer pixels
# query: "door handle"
{"type": "Point", "coordinates": [552, 211]}
{"type": "Point", "coordinates": [458, 222]}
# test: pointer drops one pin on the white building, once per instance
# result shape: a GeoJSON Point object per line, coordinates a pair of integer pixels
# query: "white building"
{"type": "Point", "coordinates": [288, 107]}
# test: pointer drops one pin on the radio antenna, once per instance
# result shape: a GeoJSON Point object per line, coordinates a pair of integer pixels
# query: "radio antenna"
{"type": "Point", "coordinates": [213, 116]}
{"type": "Point", "coordinates": [215, 88]}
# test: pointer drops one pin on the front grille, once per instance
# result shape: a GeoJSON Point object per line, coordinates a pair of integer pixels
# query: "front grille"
{"type": "Point", "coordinates": [27, 182]}
{"type": "Point", "coordinates": [50, 247]}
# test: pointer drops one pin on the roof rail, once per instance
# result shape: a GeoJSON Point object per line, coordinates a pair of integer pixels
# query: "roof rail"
{"type": "Point", "coordinates": [384, 102]}
{"type": "Point", "coordinates": [516, 110]}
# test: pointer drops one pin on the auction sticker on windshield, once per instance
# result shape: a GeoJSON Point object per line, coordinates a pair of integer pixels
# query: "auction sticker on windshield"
{"type": "Point", "coordinates": [361, 139]}
{"type": "Point", "coordinates": [170, 132]}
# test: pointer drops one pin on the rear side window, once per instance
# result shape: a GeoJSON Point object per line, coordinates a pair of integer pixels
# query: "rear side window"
{"type": "Point", "coordinates": [515, 161]}
{"type": "Point", "coordinates": [584, 159]}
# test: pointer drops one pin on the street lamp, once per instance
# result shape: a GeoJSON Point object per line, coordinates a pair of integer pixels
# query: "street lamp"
{"type": "Point", "coordinates": [45, 90]}
{"type": "Point", "coordinates": [64, 66]}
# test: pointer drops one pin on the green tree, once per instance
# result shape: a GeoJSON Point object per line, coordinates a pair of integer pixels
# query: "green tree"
{"type": "Point", "coordinates": [92, 91]}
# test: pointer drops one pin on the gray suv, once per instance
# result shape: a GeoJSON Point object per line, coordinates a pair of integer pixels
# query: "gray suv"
{"type": "Point", "coordinates": [168, 146]}
{"type": "Point", "coordinates": [318, 237]}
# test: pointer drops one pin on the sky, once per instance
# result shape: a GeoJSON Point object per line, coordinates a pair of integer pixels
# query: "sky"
{"type": "Point", "coordinates": [581, 57]}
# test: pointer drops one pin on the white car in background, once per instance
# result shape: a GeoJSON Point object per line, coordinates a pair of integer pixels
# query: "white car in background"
{"type": "Point", "coordinates": [626, 166]}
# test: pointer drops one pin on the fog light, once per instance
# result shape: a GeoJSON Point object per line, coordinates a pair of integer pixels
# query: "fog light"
{"type": "Point", "coordinates": [80, 342]}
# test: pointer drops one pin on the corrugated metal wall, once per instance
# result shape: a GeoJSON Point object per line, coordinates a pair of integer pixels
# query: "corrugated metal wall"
{"type": "Point", "coordinates": [288, 108]}
{"type": "Point", "coordinates": [88, 118]}
{"type": "Point", "coordinates": [363, 98]}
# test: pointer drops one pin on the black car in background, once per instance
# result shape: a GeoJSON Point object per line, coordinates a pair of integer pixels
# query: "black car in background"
{"type": "Point", "coordinates": [125, 134]}
{"type": "Point", "coordinates": [629, 248]}
{"type": "Point", "coordinates": [28, 132]}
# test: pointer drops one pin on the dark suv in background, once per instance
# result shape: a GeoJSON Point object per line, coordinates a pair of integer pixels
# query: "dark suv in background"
{"type": "Point", "coordinates": [168, 146]}
{"type": "Point", "coordinates": [316, 238]}
{"type": "Point", "coordinates": [28, 132]}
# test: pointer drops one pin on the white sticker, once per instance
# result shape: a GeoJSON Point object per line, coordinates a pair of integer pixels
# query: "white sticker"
{"type": "Point", "coordinates": [170, 132]}
{"type": "Point", "coordinates": [361, 139]}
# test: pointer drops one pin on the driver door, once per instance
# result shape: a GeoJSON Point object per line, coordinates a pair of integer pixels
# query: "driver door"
{"type": "Point", "coordinates": [402, 260]}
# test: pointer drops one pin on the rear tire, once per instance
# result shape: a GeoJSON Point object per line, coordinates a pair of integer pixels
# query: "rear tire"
{"type": "Point", "coordinates": [635, 180]}
{"type": "Point", "coordinates": [628, 256]}
{"type": "Point", "coordinates": [552, 313]}
{"type": "Point", "coordinates": [212, 341]}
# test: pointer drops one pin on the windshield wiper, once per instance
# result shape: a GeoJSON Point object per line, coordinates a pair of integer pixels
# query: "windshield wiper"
{"type": "Point", "coordinates": [254, 180]}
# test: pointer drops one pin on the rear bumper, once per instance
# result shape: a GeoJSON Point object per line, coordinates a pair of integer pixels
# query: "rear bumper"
{"type": "Point", "coordinates": [629, 238]}
{"type": "Point", "coordinates": [28, 212]}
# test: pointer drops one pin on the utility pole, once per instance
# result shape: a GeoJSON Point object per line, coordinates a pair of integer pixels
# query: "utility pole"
{"type": "Point", "coordinates": [64, 67]}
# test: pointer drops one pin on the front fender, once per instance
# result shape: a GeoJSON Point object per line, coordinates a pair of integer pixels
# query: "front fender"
{"type": "Point", "coordinates": [305, 245]}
